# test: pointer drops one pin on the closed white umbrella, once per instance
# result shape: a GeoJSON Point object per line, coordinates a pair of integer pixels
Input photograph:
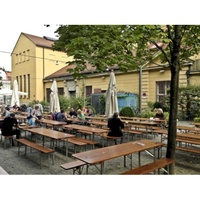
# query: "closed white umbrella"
{"type": "Point", "coordinates": [15, 95]}
{"type": "Point", "coordinates": [111, 97]}
{"type": "Point", "coordinates": [9, 92]}
{"type": "Point", "coordinates": [54, 100]}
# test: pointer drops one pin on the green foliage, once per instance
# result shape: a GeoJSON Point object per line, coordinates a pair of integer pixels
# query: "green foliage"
{"type": "Point", "coordinates": [196, 119]}
{"type": "Point", "coordinates": [150, 105]}
{"type": "Point", "coordinates": [75, 102]}
{"type": "Point", "coordinates": [147, 113]}
{"type": "Point", "coordinates": [126, 111]}
{"type": "Point", "coordinates": [109, 45]}
{"type": "Point", "coordinates": [127, 46]}
{"type": "Point", "coordinates": [93, 109]}
{"type": "Point", "coordinates": [157, 105]}
{"type": "Point", "coordinates": [44, 103]}
{"type": "Point", "coordinates": [188, 102]}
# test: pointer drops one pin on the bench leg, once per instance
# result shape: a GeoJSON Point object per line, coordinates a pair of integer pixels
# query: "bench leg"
{"type": "Point", "coordinates": [40, 160]}
{"type": "Point", "coordinates": [53, 158]}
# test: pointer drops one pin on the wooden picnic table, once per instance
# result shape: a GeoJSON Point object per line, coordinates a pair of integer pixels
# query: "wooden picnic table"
{"type": "Point", "coordinates": [99, 124]}
{"type": "Point", "coordinates": [88, 129]}
{"type": "Point", "coordinates": [196, 124]}
{"type": "Point", "coordinates": [100, 155]}
{"type": "Point", "coordinates": [52, 123]}
{"type": "Point", "coordinates": [189, 129]}
{"type": "Point", "coordinates": [53, 134]}
{"type": "Point", "coordinates": [93, 118]}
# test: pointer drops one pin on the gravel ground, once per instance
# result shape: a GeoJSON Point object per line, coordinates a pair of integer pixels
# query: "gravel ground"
{"type": "Point", "coordinates": [14, 164]}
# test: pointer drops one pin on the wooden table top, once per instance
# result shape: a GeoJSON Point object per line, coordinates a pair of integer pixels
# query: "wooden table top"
{"type": "Point", "coordinates": [86, 128]}
{"type": "Point", "coordinates": [50, 133]}
{"type": "Point", "coordinates": [111, 152]}
{"type": "Point", "coordinates": [188, 135]}
{"type": "Point", "coordinates": [52, 122]}
{"type": "Point", "coordinates": [98, 123]}
{"type": "Point", "coordinates": [189, 128]}
{"type": "Point", "coordinates": [146, 123]}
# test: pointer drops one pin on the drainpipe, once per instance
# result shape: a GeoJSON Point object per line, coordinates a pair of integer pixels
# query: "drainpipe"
{"type": "Point", "coordinates": [43, 77]}
{"type": "Point", "coordinates": [140, 90]}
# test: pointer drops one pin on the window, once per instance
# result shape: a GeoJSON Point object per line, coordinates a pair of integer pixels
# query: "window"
{"type": "Point", "coordinates": [29, 85]}
{"type": "Point", "coordinates": [88, 91]}
{"type": "Point", "coordinates": [161, 90]}
{"type": "Point", "coordinates": [196, 65]}
{"type": "Point", "coordinates": [24, 56]}
{"type": "Point", "coordinates": [24, 85]}
{"type": "Point", "coordinates": [28, 55]}
{"type": "Point", "coordinates": [16, 59]}
{"type": "Point", "coordinates": [48, 91]}
{"type": "Point", "coordinates": [20, 57]}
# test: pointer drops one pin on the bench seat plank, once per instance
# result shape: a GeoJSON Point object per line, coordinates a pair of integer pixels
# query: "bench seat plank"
{"type": "Point", "coordinates": [36, 146]}
{"type": "Point", "coordinates": [150, 167]}
{"type": "Point", "coordinates": [75, 165]}
{"type": "Point", "coordinates": [188, 149]}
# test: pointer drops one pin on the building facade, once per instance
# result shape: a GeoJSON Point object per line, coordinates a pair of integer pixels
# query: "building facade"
{"type": "Point", "coordinates": [35, 65]}
{"type": "Point", "coordinates": [32, 60]}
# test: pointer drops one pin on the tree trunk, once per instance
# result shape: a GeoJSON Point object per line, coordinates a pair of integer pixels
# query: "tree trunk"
{"type": "Point", "coordinates": [175, 68]}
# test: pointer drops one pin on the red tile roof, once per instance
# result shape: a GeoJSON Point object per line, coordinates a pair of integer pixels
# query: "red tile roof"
{"type": "Point", "coordinates": [40, 41]}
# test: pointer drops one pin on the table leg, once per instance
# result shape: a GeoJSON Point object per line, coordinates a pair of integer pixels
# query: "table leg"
{"type": "Point", "coordinates": [66, 147]}
{"type": "Point", "coordinates": [102, 167]}
{"type": "Point", "coordinates": [139, 161]}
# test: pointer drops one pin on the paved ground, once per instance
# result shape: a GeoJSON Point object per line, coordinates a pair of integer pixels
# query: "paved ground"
{"type": "Point", "coordinates": [186, 163]}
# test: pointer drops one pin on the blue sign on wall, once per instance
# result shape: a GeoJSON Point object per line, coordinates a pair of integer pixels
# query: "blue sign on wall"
{"type": "Point", "coordinates": [127, 99]}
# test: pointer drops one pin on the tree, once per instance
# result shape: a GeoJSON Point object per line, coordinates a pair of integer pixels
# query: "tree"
{"type": "Point", "coordinates": [130, 47]}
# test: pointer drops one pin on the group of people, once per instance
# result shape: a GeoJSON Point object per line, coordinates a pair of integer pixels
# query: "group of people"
{"type": "Point", "coordinates": [116, 125]}
{"type": "Point", "coordinates": [10, 125]}
{"type": "Point", "coordinates": [79, 114]}
{"type": "Point", "coordinates": [34, 113]}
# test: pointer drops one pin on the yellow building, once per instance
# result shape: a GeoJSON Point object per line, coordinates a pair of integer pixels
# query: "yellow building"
{"type": "Point", "coordinates": [35, 65]}
{"type": "Point", "coordinates": [32, 60]}
{"type": "Point", "coordinates": [155, 79]}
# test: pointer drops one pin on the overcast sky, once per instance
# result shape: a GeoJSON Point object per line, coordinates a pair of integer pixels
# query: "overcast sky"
{"type": "Point", "coordinates": [30, 17]}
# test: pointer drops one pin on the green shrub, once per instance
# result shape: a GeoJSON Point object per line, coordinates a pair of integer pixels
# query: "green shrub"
{"type": "Point", "coordinates": [93, 109]}
{"type": "Point", "coordinates": [67, 102]}
{"type": "Point", "coordinates": [196, 119]}
{"type": "Point", "coordinates": [157, 105]}
{"type": "Point", "coordinates": [126, 111]}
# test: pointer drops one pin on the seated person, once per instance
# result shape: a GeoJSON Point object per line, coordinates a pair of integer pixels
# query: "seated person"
{"type": "Point", "coordinates": [89, 112]}
{"type": "Point", "coordinates": [159, 115]}
{"type": "Point", "coordinates": [72, 113]}
{"type": "Point", "coordinates": [8, 125]}
{"type": "Point", "coordinates": [16, 107]}
{"type": "Point", "coordinates": [61, 117]}
{"type": "Point", "coordinates": [115, 125]}
{"type": "Point", "coordinates": [5, 112]}
{"type": "Point", "coordinates": [80, 115]}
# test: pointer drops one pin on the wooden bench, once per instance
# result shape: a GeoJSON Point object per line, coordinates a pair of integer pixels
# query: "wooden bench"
{"type": "Point", "coordinates": [38, 147]}
{"type": "Point", "coordinates": [135, 133]}
{"type": "Point", "coordinates": [188, 141]}
{"type": "Point", "coordinates": [197, 151]}
{"type": "Point", "coordinates": [114, 138]}
{"type": "Point", "coordinates": [90, 142]}
{"type": "Point", "coordinates": [151, 167]}
{"type": "Point", "coordinates": [76, 165]}
{"type": "Point", "coordinates": [76, 143]}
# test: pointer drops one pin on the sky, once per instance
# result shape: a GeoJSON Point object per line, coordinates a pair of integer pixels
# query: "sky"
{"type": "Point", "coordinates": [31, 18]}
{"type": "Point", "coordinates": [7, 43]}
